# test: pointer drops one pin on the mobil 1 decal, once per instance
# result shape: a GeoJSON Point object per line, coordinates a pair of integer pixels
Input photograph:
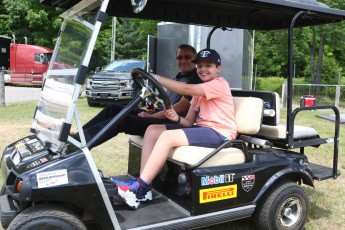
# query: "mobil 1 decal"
{"type": "Point", "coordinates": [248, 182]}
{"type": "Point", "coordinates": [219, 179]}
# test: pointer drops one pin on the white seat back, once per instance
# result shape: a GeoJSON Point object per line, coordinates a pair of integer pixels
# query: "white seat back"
{"type": "Point", "coordinates": [248, 114]}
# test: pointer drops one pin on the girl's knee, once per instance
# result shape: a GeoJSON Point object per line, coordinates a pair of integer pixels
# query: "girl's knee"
{"type": "Point", "coordinates": [155, 129]}
{"type": "Point", "coordinates": [174, 137]}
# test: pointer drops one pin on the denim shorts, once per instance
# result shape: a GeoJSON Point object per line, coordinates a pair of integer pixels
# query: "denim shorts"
{"type": "Point", "coordinates": [200, 136]}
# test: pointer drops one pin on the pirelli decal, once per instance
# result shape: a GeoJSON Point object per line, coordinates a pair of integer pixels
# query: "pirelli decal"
{"type": "Point", "coordinates": [218, 193]}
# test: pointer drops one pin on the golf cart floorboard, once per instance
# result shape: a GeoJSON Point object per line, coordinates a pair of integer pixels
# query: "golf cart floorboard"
{"type": "Point", "coordinates": [322, 172]}
{"type": "Point", "coordinates": [158, 210]}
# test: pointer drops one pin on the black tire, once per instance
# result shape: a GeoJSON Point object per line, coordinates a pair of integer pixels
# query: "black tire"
{"type": "Point", "coordinates": [285, 208]}
{"type": "Point", "coordinates": [92, 104]}
{"type": "Point", "coordinates": [44, 217]}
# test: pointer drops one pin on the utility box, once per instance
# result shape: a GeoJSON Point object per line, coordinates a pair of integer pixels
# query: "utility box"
{"type": "Point", "coordinates": [5, 52]}
{"type": "Point", "coordinates": [235, 47]}
{"type": "Point", "coordinates": [308, 101]}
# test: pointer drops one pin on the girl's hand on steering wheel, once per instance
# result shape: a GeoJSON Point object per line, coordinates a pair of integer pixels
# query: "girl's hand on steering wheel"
{"type": "Point", "coordinates": [171, 114]}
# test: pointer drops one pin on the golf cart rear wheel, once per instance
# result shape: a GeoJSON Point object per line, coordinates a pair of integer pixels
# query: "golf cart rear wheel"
{"type": "Point", "coordinates": [286, 208]}
{"type": "Point", "coordinates": [46, 217]}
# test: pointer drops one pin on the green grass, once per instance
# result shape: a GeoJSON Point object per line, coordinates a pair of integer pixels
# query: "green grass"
{"type": "Point", "coordinates": [327, 198]}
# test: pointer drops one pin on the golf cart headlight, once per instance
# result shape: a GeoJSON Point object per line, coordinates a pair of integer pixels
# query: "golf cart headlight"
{"type": "Point", "coordinates": [128, 83]}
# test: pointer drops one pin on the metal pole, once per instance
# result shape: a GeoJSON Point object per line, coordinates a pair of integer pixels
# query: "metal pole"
{"type": "Point", "coordinates": [256, 69]}
{"type": "Point", "coordinates": [289, 131]}
{"type": "Point", "coordinates": [2, 88]}
{"type": "Point", "coordinates": [113, 36]}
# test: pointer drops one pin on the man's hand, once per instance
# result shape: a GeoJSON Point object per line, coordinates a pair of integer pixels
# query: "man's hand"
{"type": "Point", "coordinates": [145, 114]}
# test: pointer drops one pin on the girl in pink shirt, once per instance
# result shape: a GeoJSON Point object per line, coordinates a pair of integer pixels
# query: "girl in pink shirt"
{"type": "Point", "coordinates": [209, 122]}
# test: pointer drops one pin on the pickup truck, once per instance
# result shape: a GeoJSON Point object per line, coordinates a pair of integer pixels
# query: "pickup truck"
{"type": "Point", "coordinates": [114, 83]}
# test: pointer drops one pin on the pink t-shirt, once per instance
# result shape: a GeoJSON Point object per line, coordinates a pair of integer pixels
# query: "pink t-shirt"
{"type": "Point", "coordinates": [216, 109]}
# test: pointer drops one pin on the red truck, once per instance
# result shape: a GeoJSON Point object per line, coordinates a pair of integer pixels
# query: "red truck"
{"type": "Point", "coordinates": [28, 63]}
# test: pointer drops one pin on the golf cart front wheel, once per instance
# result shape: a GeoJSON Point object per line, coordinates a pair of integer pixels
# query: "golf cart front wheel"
{"type": "Point", "coordinates": [286, 208]}
{"type": "Point", "coordinates": [45, 217]}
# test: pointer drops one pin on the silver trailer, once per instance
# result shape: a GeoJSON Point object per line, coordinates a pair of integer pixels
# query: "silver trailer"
{"type": "Point", "coordinates": [234, 45]}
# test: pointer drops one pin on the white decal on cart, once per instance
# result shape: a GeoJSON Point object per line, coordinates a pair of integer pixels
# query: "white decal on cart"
{"type": "Point", "coordinates": [53, 178]}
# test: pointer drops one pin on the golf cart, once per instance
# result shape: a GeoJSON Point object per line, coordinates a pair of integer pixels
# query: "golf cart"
{"type": "Point", "coordinates": [52, 182]}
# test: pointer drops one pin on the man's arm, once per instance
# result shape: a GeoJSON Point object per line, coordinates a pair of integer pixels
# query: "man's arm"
{"type": "Point", "coordinates": [181, 108]}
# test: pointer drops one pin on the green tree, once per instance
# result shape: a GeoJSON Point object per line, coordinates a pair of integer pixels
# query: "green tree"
{"type": "Point", "coordinates": [131, 40]}
{"type": "Point", "coordinates": [30, 19]}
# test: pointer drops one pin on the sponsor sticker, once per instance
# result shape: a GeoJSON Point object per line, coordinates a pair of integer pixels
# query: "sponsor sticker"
{"type": "Point", "coordinates": [218, 193]}
{"type": "Point", "coordinates": [38, 162]}
{"type": "Point", "coordinates": [221, 179]}
{"type": "Point", "coordinates": [35, 145]}
{"type": "Point", "coordinates": [15, 157]}
{"type": "Point", "coordinates": [52, 178]}
{"type": "Point", "coordinates": [248, 182]}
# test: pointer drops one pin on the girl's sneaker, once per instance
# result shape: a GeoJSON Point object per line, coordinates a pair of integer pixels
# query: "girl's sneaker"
{"type": "Point", "coordinates": [128, 190]}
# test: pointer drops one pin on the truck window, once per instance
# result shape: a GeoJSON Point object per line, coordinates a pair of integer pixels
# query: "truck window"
{"type": "Point", "coordinates": [43, 57]}
{"type": "Point", "coordinates": [124, 66]}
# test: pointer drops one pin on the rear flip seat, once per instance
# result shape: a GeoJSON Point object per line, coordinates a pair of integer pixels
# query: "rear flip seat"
{"type": "Point", "coordinates": [277, 130]}
{"type": "Point", "coordinates": [248, 116]}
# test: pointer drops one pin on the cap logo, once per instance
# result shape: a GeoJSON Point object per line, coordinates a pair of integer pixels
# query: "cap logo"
{"type": "Point", "coordinates": [204, 53]}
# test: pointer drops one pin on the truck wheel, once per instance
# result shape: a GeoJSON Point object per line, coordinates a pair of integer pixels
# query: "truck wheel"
{"type": "Point", "coordinates": [286, 208]}
{"type": "Point", "coordinates": [45, 217]}
{"type": "Point", "coordinates": [91, 104]}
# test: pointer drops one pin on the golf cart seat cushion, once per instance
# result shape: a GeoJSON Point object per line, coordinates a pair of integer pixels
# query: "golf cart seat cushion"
{"type": "Point", "coordinates": [191, 155]}
{"type": "Point", "coordinates": [248, 116]}
{"type": "Point", "coordinates": [279, 132]}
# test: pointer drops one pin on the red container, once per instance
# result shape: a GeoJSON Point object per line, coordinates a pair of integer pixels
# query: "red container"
{"type": "Point", "coordinates": [309, 100]}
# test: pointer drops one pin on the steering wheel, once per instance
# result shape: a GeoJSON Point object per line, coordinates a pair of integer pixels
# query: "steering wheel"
{"type": "Point", "coordinates": [139, 75]}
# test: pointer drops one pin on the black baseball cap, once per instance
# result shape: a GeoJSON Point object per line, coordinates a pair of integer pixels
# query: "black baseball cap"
{"type": "Point", "coordinates": [207, 55]}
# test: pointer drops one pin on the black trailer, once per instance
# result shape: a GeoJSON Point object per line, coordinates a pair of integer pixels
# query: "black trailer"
{"type": "Point", "coordinates": [5, 52]}
{"type": "Point", "coordinates": [52, 181]}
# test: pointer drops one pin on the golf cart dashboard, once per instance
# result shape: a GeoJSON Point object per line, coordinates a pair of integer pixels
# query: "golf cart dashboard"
{"type": "Point", "coordinates": [30, 152]}
{"type": "Point", "coordinates": [245, 14]}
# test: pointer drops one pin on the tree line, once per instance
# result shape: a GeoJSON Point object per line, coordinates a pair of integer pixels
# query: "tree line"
{"type": "Point", "coordinates": [318, 55]}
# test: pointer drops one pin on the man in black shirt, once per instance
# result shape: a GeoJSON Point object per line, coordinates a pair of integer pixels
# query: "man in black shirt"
{"type": "Point", "coordinates": [137, 121]}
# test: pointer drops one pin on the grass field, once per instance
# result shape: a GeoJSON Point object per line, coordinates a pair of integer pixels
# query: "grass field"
{"type": "Point", "coordinates": [327, 198]}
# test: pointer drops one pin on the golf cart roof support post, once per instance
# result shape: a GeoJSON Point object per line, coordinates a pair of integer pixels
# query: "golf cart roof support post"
{"type": "Point", "coordinates": [209, 37]}
{"type": "Point", "coordinates": [289, 120]}
{"type": "Point", "coordinates": [65, 129]}
{"type": "Point", "coordinates": [81, 75]}
{"type": "Point", "coordinates": [101, 16]}
{"type": "Point", "coordinates": [114, 121]}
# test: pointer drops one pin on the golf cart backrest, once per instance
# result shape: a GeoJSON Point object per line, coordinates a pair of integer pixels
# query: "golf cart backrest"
{"type": "Point", "coordinates": [271, 114]}
{"type": "Point", "coordinates": [248, 116]}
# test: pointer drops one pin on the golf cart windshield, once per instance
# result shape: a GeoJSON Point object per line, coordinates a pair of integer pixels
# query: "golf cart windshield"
{"type": "Point", "coordinates": [56, 105]}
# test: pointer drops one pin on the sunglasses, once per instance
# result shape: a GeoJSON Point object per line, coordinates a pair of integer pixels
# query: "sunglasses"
{"type": "Point", "coordinates": [186, 57]}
